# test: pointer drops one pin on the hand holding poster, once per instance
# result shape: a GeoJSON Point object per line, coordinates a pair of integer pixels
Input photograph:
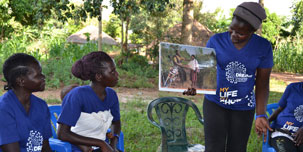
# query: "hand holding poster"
{"type": "Point", "coordinates": [185, 66]}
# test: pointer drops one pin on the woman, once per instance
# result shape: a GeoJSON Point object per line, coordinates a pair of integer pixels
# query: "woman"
{"type": "Point", "coordinates": [244, 62]}
{"type": "Point", "coordinates": [288, 120]}
{"type": "Point", "coordinates": [25, 119]}
{"type": "Point", "coordinates": [88, 111]}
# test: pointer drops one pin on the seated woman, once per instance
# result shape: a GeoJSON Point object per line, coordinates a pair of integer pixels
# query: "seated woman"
{"type": "Point", "coordinates": [288, 120]}
{"type": "Point", "coordinates": [88, 111]}
{"type": "Point", "coordinates": [24, 118]}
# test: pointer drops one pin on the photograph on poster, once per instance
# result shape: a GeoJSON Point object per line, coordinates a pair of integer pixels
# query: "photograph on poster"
{"type": "Point", "coordinates": [184, 66]}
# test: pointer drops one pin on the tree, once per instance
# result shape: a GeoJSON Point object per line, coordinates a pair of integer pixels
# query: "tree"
{"type": "Point", "coordinates": [124, 9]}
{"type": "Point", "coordinates": [271, 27]}
{"type": "Point", "coordinates": [91, 8]}
{"type": "Point", "coordinates": [187, 21]}
{"type": "Point", "coordinates": [149, 26]}
{"type": "Point", "coordinates": [33, 12]}
{"type": "Point", "coordinates": [297, 18]}
{"type": "Point", "coordinates": [29, 12]}
{"type": "Point", "coordinates": [259, 31]}
{"type": "Point", "coordinates": [215, 21]}
{"type": "Point", "coordinates": [113, 26]}
{"type": "Point", "coordinates": [4, 18]}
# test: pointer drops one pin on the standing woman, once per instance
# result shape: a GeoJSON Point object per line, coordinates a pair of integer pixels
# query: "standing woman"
{"type": "Point", "coordinates": [24, 118]}
{"type": "Point", "coordinates": [88, 111]}
{"type": "Point", "coordinates": [244, 62]}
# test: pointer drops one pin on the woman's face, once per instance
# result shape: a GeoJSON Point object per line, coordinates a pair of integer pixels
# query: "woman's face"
{"type": "Point", "coordinates": [240, 32]}
{"type": "Point", "coordinates": [34, 80]}
{"type": "Point", "coordinates": [109, 75]}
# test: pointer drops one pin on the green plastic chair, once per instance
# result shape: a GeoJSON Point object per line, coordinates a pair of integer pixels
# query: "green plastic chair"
{"type": "Point", "coordinates": [171, 113]}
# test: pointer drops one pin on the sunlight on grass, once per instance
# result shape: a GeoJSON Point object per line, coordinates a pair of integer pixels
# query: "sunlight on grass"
{"type": "Point", "coordinates": [277, 85]}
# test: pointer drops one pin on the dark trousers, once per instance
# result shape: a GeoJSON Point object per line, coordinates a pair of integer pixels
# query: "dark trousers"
{"type": "Point", "coordinates": [283, 144]}
{"type": "Point", "coordinates": [226, 130]}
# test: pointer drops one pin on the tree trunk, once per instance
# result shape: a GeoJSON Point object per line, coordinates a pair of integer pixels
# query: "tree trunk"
{"type": "Point", "coordinates": [2, 35]}
{"type": "Point", "coordinates": [100, 31]}
{"type": "Point", "coordinates": [259, 31]}
{"type": "Point", "coordinates": [187, 22]}
{"type": "Point", "coordinates": [126, 36]}
{"type": "Point", "coordinates": [122, 34]}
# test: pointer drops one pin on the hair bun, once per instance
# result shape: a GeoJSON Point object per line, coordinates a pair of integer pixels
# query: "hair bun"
{"type": "Point", "coordinates": [78, 70]}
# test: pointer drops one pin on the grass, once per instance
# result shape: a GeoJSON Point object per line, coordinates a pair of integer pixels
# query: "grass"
{"type": "Point", "coordinates": [141, 135]}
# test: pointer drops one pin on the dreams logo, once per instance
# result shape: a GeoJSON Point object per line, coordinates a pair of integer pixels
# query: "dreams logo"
{"type": "Point", "coordinates": [34, 142]}
{"type": "Point", "coordinates": [299, 113]}
{"type": "Point", "coordinates": [236, 72]}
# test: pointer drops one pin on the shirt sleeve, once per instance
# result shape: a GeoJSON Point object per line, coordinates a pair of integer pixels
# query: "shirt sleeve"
{"type": "Point", "coordinates": [209, 43]}
{"type": "Point", "coordinates": [115, 109]}
{"type": "Point", "coordinates": [283, 100]}
{"type": "Point", "coordinates": [8, 127]}
{"type": "Point", "coordinates": [47, 131]}
{"type": "Point", "coordinates": [267, 58]}
{"type": "Point", "coordinates": [71, 109]}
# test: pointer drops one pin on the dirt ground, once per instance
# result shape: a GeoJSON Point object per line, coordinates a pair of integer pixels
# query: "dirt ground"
{"type": "Point", "coordinates": [149, 94]}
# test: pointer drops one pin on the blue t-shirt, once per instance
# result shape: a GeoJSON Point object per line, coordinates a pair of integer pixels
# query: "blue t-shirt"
{"type": "Point", "coordinates": [291, 118]}
{"type": "Point", "coordinates": [236, 70]}
{"type": "Point", "coordinates": [29, 129]}
{"type": "Point", "coordinates": [84, 99]}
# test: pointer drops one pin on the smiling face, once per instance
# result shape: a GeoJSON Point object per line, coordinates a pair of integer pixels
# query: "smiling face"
{"type": "Point", "coordinates": [34, 80]}
{"type": "Point", "coordinates": [240, 31]}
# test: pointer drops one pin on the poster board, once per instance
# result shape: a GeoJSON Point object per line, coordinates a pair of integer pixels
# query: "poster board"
{"type": "Point", "coordinates": [184, 66]}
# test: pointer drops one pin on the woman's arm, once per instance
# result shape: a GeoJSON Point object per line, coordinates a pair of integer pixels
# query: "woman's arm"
{"type": "Point", "coordinates": [262, 92]}
{"type": "Point", "coordinates": [65, 134]}
{"type": "Point", "coordinates": [275, 114]}
{"type": "Point", "coordinates": [45, 146]}
{"type": "Point", "coordinates": [11, 147]}
{"type": "Point", "coordinates": [116, 129]}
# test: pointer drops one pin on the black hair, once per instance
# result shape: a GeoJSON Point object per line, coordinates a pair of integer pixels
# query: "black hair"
{"type": "Point", "coordinates": [16, 66]}
{"type": "Point", "coordinates": [245, 22]}
{"type": "Point", "coordinates": [90, 64]}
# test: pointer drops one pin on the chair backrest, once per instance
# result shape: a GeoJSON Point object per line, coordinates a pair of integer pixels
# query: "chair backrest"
{"type": "Point", "coordinates": [270, 108]}
{"type": "Point", "coordinates": [171, 113]}
{"type": "Point", "coordinates": [55, 111]}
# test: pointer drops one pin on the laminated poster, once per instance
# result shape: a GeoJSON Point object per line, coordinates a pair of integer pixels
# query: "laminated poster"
{"type": "Point", "coordinates": [184, 66]}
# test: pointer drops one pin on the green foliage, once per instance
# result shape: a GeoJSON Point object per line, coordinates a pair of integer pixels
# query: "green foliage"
{"type": "Point", "coordinates": [297, 17]}
{"type": "Point", "coordinates": [136, 72]}
{"type": "Point", "coordinates": [288, 56]}
{"type": "Point", "coordinates": [214, 21]}
{"type": "Point", "coordinates": [271, 27]}
{"type": "Point", "coordinates": [32, 12]}
{"type": "Point", "coordinates": [5, 27]}
{"type": "Point", "coordinates": [113, 27]}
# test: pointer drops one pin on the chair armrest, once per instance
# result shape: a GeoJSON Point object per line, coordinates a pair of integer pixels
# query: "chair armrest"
{"type": "Point", "coordinates": [59, 145]}
{"type": "Point", "coordinates": [266, 147]}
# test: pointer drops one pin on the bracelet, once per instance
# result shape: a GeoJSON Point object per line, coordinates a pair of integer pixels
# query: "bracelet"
{"type": "Point", "coordinates": [258, 116]}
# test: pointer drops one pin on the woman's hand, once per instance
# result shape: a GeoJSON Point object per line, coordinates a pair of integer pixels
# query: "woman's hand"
{"type": "Point", "coordinates": [106, 147]}
{"type": "Point", "coordinates": [190, 92]}
{"type": "Point", "coordinates": [299, 137]}
{"type": "Point", "coordinates": [261, 126]}
{"type": "Point", "coordinates": [85, 148]}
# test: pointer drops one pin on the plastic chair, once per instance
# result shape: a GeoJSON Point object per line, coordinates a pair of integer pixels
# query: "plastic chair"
{"type": "Point", "coordinates": [266, 146]}
{"type": "Point", "coordinates": [171, 112]}
{"type": "Point", "coordinates": [61, 146]}
{"type": "Point", "coordinates": [55, 143]}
